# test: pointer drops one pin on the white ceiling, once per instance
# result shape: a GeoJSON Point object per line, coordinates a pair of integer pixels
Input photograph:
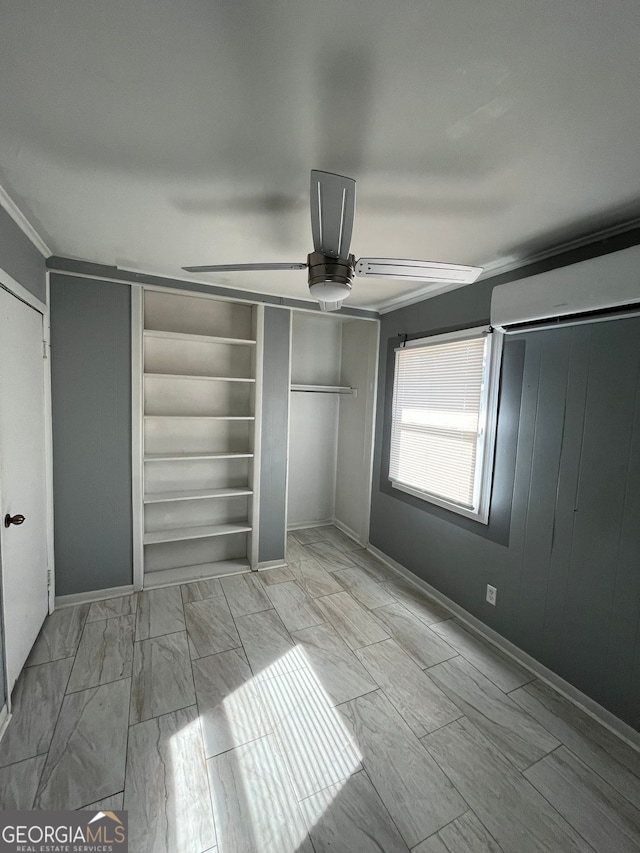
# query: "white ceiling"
{"type": "Point", "coordinates": [153, 134]}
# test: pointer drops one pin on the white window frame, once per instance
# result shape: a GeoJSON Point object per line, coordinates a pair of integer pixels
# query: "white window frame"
{"type": "Point", "coordinates": [488, 423]}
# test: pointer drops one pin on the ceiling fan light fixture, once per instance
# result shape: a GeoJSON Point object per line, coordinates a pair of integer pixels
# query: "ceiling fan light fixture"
{"type": "Point", "coordinates": [330, 278]}
{"type": "Point", "coordinates": [329, 291]}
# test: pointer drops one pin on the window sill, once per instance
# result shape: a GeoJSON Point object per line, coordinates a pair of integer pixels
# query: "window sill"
{"type": "Point", "coordinates": [481, 516]}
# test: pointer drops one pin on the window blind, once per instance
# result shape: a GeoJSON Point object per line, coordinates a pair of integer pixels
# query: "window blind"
{"type": "Point", "coordinates": [438, 405]}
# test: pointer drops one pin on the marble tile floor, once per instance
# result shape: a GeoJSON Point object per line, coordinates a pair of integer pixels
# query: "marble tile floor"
{"type": "Point", "coordinates": [327, 706]}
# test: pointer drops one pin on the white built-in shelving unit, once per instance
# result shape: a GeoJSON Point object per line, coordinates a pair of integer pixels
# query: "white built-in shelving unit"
{"type": "Point", "coordinates": [201, 359]}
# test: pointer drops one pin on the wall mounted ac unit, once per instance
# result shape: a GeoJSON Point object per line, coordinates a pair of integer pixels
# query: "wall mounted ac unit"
{"type": "Point", "coordinates": [602, 288]}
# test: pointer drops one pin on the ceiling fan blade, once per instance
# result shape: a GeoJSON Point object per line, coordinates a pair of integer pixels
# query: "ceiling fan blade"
{"type": "Point", "coordinates": [427, 271]}
{"type": "Point", "coordinates": [245, 267]}
{"type": "Point", "coordinates": [333, 200]}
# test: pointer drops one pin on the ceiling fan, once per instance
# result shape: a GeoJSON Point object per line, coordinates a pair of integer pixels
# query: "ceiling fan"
{"type": "Point", "coordinates": [331, 267]}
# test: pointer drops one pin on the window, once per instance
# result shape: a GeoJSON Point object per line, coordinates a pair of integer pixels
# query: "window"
{"type": "Point", "coordinates": [445, 397]}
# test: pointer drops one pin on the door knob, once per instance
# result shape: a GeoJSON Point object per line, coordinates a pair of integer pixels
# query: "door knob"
{"type": "Point", "coordinates": [13, 519]}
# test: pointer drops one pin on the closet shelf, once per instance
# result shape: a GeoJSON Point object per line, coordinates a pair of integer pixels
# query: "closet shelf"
{"type": "Point", "coordinates": [325, 389]}
{"type": "Point", "coordinates": [179, 534]}
{"type": "Point", "coordinates": [197, 494]}
{"type": "Point", "coordinates": [181, 457]}
{"type": "Point", "coordinates": [204, 339]}
{"type": "Point", "coordinates": [203, 417]}
{"type": "Point", "coordinates": [198, 376]}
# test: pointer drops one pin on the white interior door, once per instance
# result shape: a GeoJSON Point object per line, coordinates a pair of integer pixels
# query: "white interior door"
{"type": "Point", "coordinates": [23, 547]}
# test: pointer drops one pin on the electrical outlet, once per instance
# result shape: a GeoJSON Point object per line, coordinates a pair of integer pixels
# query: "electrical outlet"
{"type": "Point", "coordinates": [492, 594]}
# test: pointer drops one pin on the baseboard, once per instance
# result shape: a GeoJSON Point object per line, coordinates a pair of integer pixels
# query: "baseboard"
{"type": "Point", "coordinates": [584, 702]}
{"type": "Point", "coordinates": [301, 525]}
{"type": "Point", "coordinates": [93, 595]}
{"type": "Point", "coordinates": [347, 531]}
{"type": "Point", "coordinates": [271, 564]}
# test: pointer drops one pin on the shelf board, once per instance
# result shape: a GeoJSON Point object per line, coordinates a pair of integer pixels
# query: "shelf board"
{"type": "Point", "coordinates": [204, 571]}
{"type": "Point", "coordinates": [204, 417]}
{"type": "Point", "coordinates": [199, 376]}
{"type": "Point", "coordinates": [197, 494]}
{"type": "Point", "coordinates": [181, 457]}
{"type": "Point", "coordinates": [204, 339]}
{"type": "Point", "coordinates": [324, 389]}
{"type": "Point", "coordinates": [179, 534]}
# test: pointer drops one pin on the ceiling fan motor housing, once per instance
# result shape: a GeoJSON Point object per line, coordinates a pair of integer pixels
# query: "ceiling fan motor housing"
{"type": "Point", "coordinates": [330, 278]}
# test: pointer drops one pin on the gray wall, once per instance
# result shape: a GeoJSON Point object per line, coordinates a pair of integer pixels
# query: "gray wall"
{"type": "Point", "coordinates": [563, 543]}
{"type": "Point", "coordinates": [20, 258]}
{"type": "Point", "coordinates": [275, 417]}
{"type": "Point", "coordinates": [91, 391]}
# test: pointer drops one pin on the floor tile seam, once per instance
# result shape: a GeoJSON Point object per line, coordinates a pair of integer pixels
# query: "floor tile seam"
{"type": "Point", "coordinates": [406, 721]}
{"type": "Point", "coordinates": [411, 847]}
{"type": "Point", "coordinates": [86, 805]}
{"type": "Point", "coordinates": [443, 770]}
{"type": "Point", "coordinates": [477, 668]}
{"type": "Point", "coordinates": [108, 619]}
{"type": "Point", "coordinates": [503, 692]}
{"type": "Point", "coordinates": [134, 612]}
{"type": "Point", "coordinates": [164, 714]}
{"type": "Point", "coordinates": [283, 764]}
{"type": "Point", "coordinates": [133, 677]}
{"type": "Point", "coordinates": [503, 754]}
{"type": "Point", "coordinates": [21, 760]}
{"type": "Point", "coordinates": [520, 774]}
{"type": "Point", "coordinates": [254, 573]}
{"type": "Point", "coordinates": [100, 684]}
{"type": "Point", "coordinates": [229, 749]}
{"type": "Point", "coordinates": [55, 726]}
{"type": "Point", "coordinates": [199, 712]}
{"type": "Point", "coordinates": [590, 769]}
{"type": "Point", "coordinates": [384, 806]}
{"type": "Point", "coordinates": [158, 636]}
{"type": "Point", "coordinates": [551, 805]}
{"type": "Point", "coordinates": [516, 706]}
{"type": "Point", "coordinates": [212, 654]}
{"type": "Point", "coordinates": [334, 626]}
{"type": "Point", "coordinates": [235, 625]}
{"type": "Point", "coordinates": [593, 743]}
{"type": "Point", "coordinates": [307, 766]}
{"type": "Point", "coordinates": [477, 817]}
{"type": "Point", "coordinates": [448, 823]}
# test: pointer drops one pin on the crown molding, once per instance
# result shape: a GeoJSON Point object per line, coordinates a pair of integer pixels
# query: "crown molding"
{"type": "Point", "coordinates": [23, 223]}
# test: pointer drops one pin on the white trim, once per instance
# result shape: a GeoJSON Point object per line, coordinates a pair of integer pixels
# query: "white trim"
{"type": "Point", "coordinates": [14, 287]}
{"type": "Point", "coordinates": [348, 532]}
{"type": "Point", "coordinates": [23, 223]}
{"type": "Point", "coordinates": [302, 525]}
{"type": "Point", "coordinates": [256, 298]}
{"type": "Point", "coordinates": [190, 574]}
{"type": "Point", "coordinates": [254, 518]}
{"type": "Point", "coordinates": [373, 412]}
{"type": "Point", "coordinates": [137, 419]}
{"type": "Point", "coordinates": [288, 440]}
{"type": "Point", "coordinates": [500, 267]}
{"type": "Point", "coordinates": [5, 718]}
{"type": "Point", "coordinates": [584, 702]}
{"type": "Point", "coordinates": [93, 595]}
{"type": "Point", "coordinates": [415, 296]}
{"type": "Point", "coordinates": [271, 564]}
{"type": "Point", "coordinates": [48, 449]}
{"type": "Point", "coordinates": [487, 422]}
